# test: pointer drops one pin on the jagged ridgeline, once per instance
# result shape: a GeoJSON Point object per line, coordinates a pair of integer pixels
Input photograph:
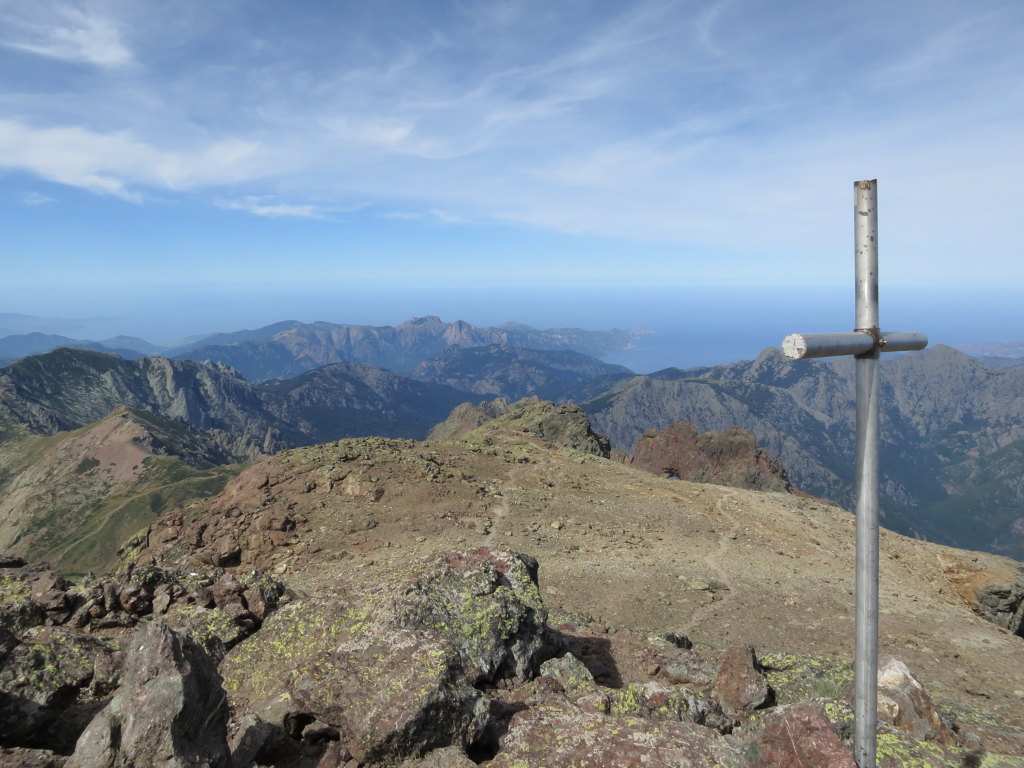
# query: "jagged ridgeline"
{"type": "Point", "coordinates": [951, 426]}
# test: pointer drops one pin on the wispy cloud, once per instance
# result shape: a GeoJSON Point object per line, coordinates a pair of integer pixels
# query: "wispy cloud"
{"type": "Point", "coordinates": [61, 31]}
{"type": "Point", "coordinates": [35, 198]}
{"type": "Point", "coordinates": [270, 207]}
{"type": "Point", "coordinates": [111, 163]}
{"type": "Point", "coordinates": [434, 214]}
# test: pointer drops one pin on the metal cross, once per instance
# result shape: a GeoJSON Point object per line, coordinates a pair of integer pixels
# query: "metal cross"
{"type": "Point", "coordinates": [865, 343]}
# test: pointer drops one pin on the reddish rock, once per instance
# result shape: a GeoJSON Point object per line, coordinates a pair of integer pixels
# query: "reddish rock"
{"type": "Point", "coordinates": [563, 737]}
{"type": "Point", "coordinates": [800, 736]}
{"type": "Point", "coordinates": [730, 457]}
{"type": "Point", "coordinates": [740, 686]}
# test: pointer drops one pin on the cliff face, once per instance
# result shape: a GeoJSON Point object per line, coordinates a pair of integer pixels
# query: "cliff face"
{"type": "Point", "coordinates": [730, 457]}
{"type": "Point", "coordinates": [67, 389]}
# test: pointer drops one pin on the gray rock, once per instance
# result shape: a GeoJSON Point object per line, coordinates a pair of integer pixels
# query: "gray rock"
{"type": "Point", "coordinates": [42, 673]}
{"type": "Point", "coordinates": [1004, 605]}
{"type": "Point", "coordinates": [392, 663]}
{"type": "Point", "coordinates": [170, 711]}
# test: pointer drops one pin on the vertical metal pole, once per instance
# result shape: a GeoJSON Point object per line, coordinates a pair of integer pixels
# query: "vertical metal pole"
{"type": "Point", "coordinates": [866, 648]}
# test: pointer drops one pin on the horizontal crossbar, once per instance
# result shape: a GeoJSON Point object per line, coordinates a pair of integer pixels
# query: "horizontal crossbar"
{"type": "Point", "coordinates": [802, 346]}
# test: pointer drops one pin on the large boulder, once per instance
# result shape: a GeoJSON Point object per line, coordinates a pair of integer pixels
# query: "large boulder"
{"type": "Point", "coordinates": [1003, 604]}
{"type": "Point", "coordinates": [48, 676]}
{"type": "Point", "coordinates": [170, 711]}
{"type": "Point", "coordinates": [392, 663]}
{"type": "Point", "coordinates": [799, 735]}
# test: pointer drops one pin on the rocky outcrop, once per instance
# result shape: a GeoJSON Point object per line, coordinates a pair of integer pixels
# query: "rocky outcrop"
{"type": "Point", "coordinates": [51, 681]}
{"type": "Point", "coordinates": [1003, 604]}
{"type": "Point", "coordinates": [560, 425]}
{"type": "Point", "coordinates": [60, 643]}
{"type": "Point", "coordinates": [468, 416]}
{"type": "Point", "coordinates": [730, 457]}
{"type": "Point", "coordinates": [170, 711]}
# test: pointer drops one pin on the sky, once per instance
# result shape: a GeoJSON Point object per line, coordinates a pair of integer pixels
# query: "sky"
{"type": "Point", "coordinates": [209, 165]}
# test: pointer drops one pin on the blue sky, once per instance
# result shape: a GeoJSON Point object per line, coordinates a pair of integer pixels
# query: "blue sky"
{"type": "Point", "coordinates": [269, 156]}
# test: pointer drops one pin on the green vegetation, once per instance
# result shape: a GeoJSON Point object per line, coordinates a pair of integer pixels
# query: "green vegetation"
{"type": "Point", "coordinates": [85, 536]}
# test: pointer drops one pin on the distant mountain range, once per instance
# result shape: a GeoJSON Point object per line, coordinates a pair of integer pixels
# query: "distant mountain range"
{"type": "Point", "coordinates": [288, 348]}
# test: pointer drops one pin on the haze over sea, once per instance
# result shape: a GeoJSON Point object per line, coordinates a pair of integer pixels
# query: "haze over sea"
{"type": "Point", "coordinates": [689, 326]}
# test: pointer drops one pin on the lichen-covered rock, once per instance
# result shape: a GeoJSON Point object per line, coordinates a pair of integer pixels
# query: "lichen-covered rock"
{"type": "Point", "coordinates": [17, 609]}
{"type": "Point", "coordinates": [740, 685]}
{"type": "Point", "coordinates": [42, 673]}
{"type": "Point", "coordinates": [446, 757]}
{"type": "Point", "coordinates": [170, 711]}
{"type": "Point", "coordinates": [394, 696]}
{"type": "Point", "coordinates": [799, 735]}
{"type": "Point", "coordinates": [486, 604]}
{"type": "Point", "coordinates": [904, 703]}
{"type": "Point", "coordinates": [392, 663]}
{"type": "Point", "coordinates": [794, 678]}
{"type": "Point", "coordinates": [651, 699]}
{"type": "Point", "coordinates": [556, 736]}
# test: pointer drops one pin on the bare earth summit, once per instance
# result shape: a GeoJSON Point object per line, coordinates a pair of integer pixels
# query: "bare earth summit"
{"type": "Point", "coordinates": [622, 548]}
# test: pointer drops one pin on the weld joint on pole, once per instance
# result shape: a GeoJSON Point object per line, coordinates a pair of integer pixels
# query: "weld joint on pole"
{"type": "Point", "coordinates": [876, 348]}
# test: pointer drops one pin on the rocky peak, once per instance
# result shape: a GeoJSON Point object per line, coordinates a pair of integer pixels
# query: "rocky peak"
{"type": "Point", "coordinates": [730, 457]}
{"type": "Point", "coordinates": [561, 425]}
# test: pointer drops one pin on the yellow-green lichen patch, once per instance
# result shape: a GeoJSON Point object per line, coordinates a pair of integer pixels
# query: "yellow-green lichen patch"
{"type": "Point", "coordinates": [208, 626]}
{"type": "Point", "coordinates": [898, 750]}
{"type": "Point", "coordinates": [797, 678]}
{"type": "Point", "coordinates": [1001, 761]}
